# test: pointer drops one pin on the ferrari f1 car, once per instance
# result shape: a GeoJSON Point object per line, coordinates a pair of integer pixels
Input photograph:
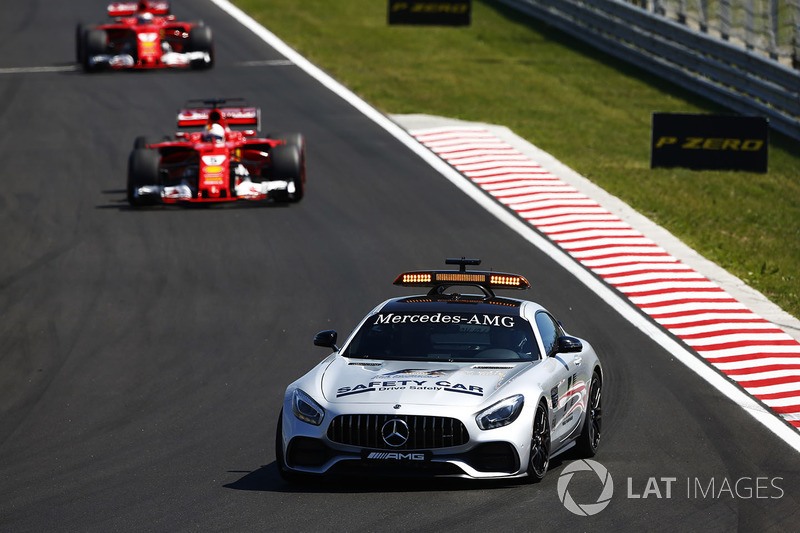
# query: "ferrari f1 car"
{"type": "Point", "coordinates": [444, 384]}
{"type": "Point", "coordinates": [144, 35]}
{"type": "Point", "coordinates": [217, 163]}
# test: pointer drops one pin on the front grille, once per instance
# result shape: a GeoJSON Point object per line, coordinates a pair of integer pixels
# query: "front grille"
{"type": "Point", "coordinates": [425, 432]}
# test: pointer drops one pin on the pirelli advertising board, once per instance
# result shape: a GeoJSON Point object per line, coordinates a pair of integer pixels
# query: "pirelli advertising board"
{"type": "Point", "coordinates": [709, 142]}
{"type": "Point", "coordinates": [430, 12]}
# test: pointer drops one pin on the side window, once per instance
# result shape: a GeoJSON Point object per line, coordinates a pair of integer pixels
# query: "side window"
{"type": "Point", "coordinates": [549, 330]}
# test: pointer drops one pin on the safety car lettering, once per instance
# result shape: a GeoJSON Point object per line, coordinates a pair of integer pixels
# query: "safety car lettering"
{"type": "Point", "coordinates": [350, 392]}
{"type": "Point", "coordinates": [410, 384]}
{"type": "Point", "coordinates": [439, 318]}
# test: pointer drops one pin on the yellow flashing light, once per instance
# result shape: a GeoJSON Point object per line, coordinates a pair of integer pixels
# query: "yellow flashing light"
{"type": "Point", "coordinates": [457, 276]}
{"type": "Point", "coordinates": [491, 280]}
{"type": "Point", "coordinates": [416, 278]}
{"type": "Point", "coordinates": [505, 280]}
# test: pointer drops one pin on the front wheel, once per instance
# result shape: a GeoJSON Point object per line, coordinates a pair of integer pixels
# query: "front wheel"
{"type": "Point", "coordinates": [280, 458]}
{"type": "Point", "coordinates": [95, 43]}
{"type": "Point", "coordinates": [539, 458]}
{"type": "Point", "coordinates": [143, 167]}
{"type": "Point", "coordinates": [201, 40]}
{"type": "Point", "coordinates": [288, 164]}
{"type": "Point", "coordinates": [589, 439]}
{"type": "Point", "coordinates": [79, 43]}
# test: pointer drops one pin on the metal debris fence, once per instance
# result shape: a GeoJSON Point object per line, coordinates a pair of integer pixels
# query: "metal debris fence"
{"type": "Point", "coordinates": [741, 54]}
{"type": "Point", "coordinates": [768, 27]}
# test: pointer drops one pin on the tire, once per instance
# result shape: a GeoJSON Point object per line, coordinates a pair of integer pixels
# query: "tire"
{"type": "Point", "coordinates": [294, 139]}
{"type": "Point", "coordinates": [142, 170]}
{"type": "Point", "coordinates": [140, 142]}
{"type": "Point", "coordinates": [95, 43]}
{"type": "Point", "coordinates": [79, 44]}
{"type": "Point", "coordinates": [280, 459]}
{"type": "Point", "coordinates": [539, 458]}
{"type": "Point", "coordinates": [201, 40]}
{"type": "Point", "coordinates": [589, 439]}
{"type": "Point", "coordinates": [288, 164]}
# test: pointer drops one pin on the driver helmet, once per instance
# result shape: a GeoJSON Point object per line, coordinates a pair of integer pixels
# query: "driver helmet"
{"type": "Point", "coordinates": [145, 18]}
{"type": "Point", "coordinates": [215, 133]}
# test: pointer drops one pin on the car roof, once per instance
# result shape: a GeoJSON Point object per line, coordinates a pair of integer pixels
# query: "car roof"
{"type": "Point", "coordinates": [455, 304]}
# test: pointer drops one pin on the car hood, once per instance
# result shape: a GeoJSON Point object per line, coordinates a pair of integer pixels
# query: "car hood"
{"type": "Point", "coordinates": [414, 382]}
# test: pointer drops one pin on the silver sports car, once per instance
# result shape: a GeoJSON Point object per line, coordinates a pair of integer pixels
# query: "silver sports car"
{"type": "Point", "coordinates": [445, 384]}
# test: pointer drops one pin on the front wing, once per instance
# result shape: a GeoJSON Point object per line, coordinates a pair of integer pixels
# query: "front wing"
{"type": "Point", "coordinates": [247, 190]}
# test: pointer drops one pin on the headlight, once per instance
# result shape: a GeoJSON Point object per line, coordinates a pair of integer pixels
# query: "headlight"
{"type": "Point", "coordinates": [501, 413]}
{"type": "Point", "coordinates": [306, 409]}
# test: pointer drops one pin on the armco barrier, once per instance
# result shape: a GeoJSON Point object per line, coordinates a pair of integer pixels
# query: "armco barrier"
{"type": "Point", "coordinates": [734, 77]}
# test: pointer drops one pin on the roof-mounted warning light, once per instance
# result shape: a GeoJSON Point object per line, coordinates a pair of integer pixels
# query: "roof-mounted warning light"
{"type": "Point", "coordinates": [439, 280]}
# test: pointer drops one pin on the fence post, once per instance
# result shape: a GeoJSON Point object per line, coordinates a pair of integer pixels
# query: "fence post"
{"type": "Point", "coordinates": [725, 19]}
{"type": "Point", "coordinates": [796, 39]}
{"type": "Point", "coordinates": [704, 16]}
{"type": "Point", "coordinates": [772, 19]}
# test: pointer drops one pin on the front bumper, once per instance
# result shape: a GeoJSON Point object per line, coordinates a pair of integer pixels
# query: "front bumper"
{"type": "Point", "coordinates": [460, 449]}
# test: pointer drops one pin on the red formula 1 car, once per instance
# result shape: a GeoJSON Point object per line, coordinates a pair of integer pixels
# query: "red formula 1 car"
{"type": "Point", "coordinates": [217, 164]}
{"type": "Point", "coordinates": [144, 35]}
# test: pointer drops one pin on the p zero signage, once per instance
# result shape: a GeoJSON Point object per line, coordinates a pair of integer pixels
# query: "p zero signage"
{"type": "Point", "coordinates": [430, 12]}
{"type": "Point", "coordinates": [709, 142]}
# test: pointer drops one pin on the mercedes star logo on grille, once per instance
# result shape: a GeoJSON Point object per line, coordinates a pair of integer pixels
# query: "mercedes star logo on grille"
{"type": "Point", "coordinates": [395, 432]}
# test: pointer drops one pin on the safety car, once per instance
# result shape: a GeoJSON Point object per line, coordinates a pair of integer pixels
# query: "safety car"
{"type": "Point", "coordinates": [144, 35]}
{"type": "Point", "coordinates": [210, 161]}
{"type": "Point", "coordinates": [447, 383]}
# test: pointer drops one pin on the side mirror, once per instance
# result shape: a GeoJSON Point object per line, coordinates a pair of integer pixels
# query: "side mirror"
{"type": "Point", "coordinates": [569, 345]}
{"type": "Point", "coordinates": [326, 339]}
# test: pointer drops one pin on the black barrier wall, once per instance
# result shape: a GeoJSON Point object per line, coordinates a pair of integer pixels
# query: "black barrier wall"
{"type": "Point", "coordinates": [430, 12]}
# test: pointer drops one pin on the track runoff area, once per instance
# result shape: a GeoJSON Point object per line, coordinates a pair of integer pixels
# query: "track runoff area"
{"type": "Point", "coordinates": [743, 355]}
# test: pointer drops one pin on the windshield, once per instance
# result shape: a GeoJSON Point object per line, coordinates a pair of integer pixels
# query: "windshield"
{"type": "Point", "coordinates": [473, 337]}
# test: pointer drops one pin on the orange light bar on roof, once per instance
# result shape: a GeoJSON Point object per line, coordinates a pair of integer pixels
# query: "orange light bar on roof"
{"type": "Point", "coordinates": [505, 280]}
{"type": "Point", "coordinates": [415, 278]}
{"type": "Point", "coordinates": [491, 280]}
{"type": "Point", "coordinates": [458, 276]}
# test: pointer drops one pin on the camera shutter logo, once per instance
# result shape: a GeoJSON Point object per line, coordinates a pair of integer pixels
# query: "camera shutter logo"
{"type": "Point", "coordinates": [585, 509]}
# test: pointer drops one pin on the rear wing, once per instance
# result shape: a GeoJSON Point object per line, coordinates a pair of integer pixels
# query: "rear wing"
{"type": "Point", "coordinates": [197, 117]}
{"type": "Point", "coordinates": [127, 9]}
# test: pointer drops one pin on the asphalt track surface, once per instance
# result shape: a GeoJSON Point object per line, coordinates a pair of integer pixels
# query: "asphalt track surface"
{"type": "Point", "coordinates": [143, 354]}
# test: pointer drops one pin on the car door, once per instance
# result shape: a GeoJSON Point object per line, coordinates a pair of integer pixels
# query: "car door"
{"type": "Point", "coordinates": [566, 386]}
